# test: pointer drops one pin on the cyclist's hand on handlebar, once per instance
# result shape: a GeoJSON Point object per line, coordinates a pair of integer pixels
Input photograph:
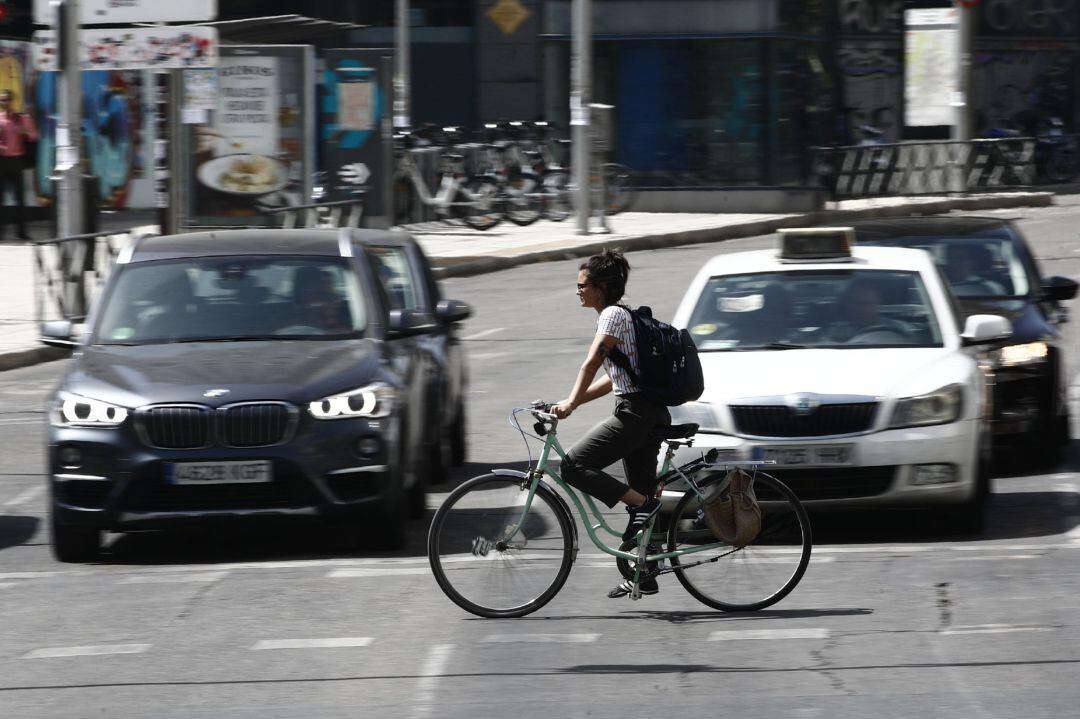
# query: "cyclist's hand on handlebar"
{"type": "Point", "coordinates": [563, 409]}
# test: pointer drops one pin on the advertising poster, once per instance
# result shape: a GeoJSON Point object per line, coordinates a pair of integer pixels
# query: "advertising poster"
{"type": "Point", "coordinates": [247, 136]}
{"type": "Point", "coordinates": [355, 102]}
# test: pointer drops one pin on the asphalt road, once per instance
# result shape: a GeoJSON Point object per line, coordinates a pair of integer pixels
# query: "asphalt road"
{"type": "Point", "coordinates": [893, 618]}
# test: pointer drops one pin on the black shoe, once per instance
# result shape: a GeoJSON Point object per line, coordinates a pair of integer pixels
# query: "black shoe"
{"type": "Point", "coordinates": [648, 586]}
{"type": "Point", "coordinates": [639, 517]}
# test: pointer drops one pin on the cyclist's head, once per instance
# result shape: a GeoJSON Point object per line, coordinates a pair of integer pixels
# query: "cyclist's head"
{"type": "Point", "coordinates": [609, 271]}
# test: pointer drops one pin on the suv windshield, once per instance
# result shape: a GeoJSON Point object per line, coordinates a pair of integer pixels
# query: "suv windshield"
{"type": "Point", "coordinates": [976, 266]}
{"type": "Point", "coordinates": [794, 310]}
{"type": "Point", "coordinates": [231, 299]}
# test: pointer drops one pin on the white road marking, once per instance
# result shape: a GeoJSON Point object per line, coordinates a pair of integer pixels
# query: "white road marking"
{"type": "Point", "coordinates": [27, 575]}
{"type": "Point", "coordinates": [355, 572]}
{"type": "Point", "coordinates": [540, 638]}
{"type": "Point", "coordinates": [740, 634]}
{"type": "Point", "coordinates": [5, 585]}
{"type": "Point", "coordinates": [485, 333]}
{"type": "Point", "coordinates": [995, 629]}
{"type": "Point", "coordinates": [24, 497]}
{"type": "Point", "coordinates": [96, 650]}
{"type": "Point", "coordinates": [438, 656]}
{"type": "Point", "coordinates": [174, 578]}
{"type": "Point", "coordinates": [992, 558]}
{"type": "Point", "coordinates": [328, 643]}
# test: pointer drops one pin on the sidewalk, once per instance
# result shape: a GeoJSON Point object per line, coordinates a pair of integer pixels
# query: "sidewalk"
{"type": "Point", "coordinates": [460, 251]}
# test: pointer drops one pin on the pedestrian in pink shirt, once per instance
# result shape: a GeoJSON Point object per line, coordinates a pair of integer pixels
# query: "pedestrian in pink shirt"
{"type": "Point", "coordinates": [16, 129]}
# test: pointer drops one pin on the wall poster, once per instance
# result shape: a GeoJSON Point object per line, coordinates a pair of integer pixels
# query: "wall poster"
{"type": "Point", "coordinates": [249, 139]}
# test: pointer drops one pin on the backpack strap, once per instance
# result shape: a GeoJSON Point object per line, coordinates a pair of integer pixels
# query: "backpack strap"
{"type": "Point", "coordinates": [619, 358]}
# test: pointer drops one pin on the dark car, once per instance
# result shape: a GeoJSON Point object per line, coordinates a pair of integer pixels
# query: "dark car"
{"type": "Point", "coordinates": [256, 373]}
{"type": "Point", "coordinates": [991, 270]}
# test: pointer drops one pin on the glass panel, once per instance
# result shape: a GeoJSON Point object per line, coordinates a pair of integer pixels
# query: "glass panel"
{"type": "Point", "coordinates": [975, 266]}
{"type": "Point", "coordinates": [836, 309]}
{"type": "Point", "coordinates": [392, 266]}
{"type": "Point", "coordinates": [232, 298]}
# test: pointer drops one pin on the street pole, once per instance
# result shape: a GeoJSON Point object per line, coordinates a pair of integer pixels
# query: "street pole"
{"type": "Point", "coordinates": [68, 170]}
{"type": "Point", "coordinates": [580, 97]}
{"type": "Point", "coordinates": [402, 108]}
{"type": "Point", "coordinates": [962, 121]}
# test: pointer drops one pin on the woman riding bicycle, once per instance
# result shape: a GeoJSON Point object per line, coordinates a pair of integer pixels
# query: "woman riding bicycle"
{"type": "Point", "coordinates": [627, 434]}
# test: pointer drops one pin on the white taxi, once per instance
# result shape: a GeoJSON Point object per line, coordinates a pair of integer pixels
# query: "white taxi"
{"type": "Point", "coordinates": [849, 368]}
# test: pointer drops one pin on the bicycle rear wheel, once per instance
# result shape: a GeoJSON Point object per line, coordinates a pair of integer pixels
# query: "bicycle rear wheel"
{"type": "Point", "coordinates": [620, 189]}
{"type": "Point", "coordinates": [479, 204]}
{"type": "Point", "coordinates": [483, 570]}
{"type": "Point", "coordinates": [742, 579]}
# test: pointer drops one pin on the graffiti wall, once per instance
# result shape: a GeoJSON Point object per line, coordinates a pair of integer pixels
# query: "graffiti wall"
{"type": "Point", "coordinates": [112, 132]}
{"type": "Point", "coordinates": [870, 56]}
{"type": "Point", "coordinates": [1024, 69]}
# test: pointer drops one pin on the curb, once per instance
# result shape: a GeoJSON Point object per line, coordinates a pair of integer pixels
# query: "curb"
{"type": "Point", "coordinates": [470, 266]}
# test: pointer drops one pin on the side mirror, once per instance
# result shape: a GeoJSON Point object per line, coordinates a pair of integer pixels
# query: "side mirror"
{"type": "Point", "coordinates": [407, 323]}
{"type": "Point", "coordinates": [1059, 289]}
{"type": "Point", "coordinates": [453, 311]}
{"type": "Point", "coordinates": [58, 333]}
{"type": "Point", "coordinates": [982, 329]}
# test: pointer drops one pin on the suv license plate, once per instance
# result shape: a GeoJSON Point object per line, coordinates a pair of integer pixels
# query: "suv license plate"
{"type": "Point", "coordinates": [253, 472]}
{"type": "Point", "coordinates": [810, 454]}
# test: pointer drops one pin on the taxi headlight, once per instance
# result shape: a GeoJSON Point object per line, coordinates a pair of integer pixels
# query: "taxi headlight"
{"type": "Point", "coordinates": [373, 401]}
{"type": "Point", "coordinates": [938, 407]}
{"type": "Point", "coordinates": [72, 410]}
{"type": "Point", "coordinates": [1021, 354]}
{"type": "Point", "coordinates": [700, 413]}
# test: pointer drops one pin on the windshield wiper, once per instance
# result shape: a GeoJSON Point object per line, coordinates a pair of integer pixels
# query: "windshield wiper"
{"type": "Point", "coordinates": [228, 338]}
{"type": "Point", "coordinates": [779, 346]}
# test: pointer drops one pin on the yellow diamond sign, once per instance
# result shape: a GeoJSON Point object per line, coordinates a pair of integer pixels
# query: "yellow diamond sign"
{"type": "Point", "coordinates": [508, 15]}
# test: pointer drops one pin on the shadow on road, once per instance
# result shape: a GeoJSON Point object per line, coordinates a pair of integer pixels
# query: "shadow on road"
{"type": "Point", "coordinates": [694, 617]}
{"type": "Point", "coordinates": [16, 530]}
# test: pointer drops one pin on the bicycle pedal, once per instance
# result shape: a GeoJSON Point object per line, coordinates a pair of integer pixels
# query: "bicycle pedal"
{"type": "Point", "coordinates": [635, 593]}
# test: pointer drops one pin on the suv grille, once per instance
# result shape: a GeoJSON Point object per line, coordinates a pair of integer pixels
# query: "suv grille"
{"type": "Point", "coordinates": [183, 427]}
{"type": "Point", "coordinates": [254, 425]}
{"type": "Point", "coordinates": [251, 424]}
{"type": "Point", "coordinates": [782, 421]}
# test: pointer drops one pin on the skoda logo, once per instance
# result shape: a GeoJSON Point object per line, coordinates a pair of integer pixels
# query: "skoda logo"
{"type": "Point", "coordinates": [215, 393]}
{"type": "Point", "coordinates": [803, 403]}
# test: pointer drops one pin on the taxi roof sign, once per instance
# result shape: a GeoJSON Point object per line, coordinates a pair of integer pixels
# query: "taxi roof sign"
{"type": "Point", "coordinates": [816, 244]}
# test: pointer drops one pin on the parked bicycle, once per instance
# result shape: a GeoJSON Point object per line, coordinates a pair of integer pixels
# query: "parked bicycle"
{"type": "Point", "coordinates": [474, 200]}
{"type": "Point", "coordinates": [503, 544]}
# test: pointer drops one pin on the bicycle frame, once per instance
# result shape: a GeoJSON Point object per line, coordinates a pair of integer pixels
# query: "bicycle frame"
{"type": "Point", "coordinates": [535, 475]}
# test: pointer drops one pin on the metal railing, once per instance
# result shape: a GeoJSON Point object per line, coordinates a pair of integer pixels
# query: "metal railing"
{"type": "Point", "coordinates": [341, 213]}
{"type": "Point", "coordinates": [69, 272]}
{"type": "Point", "coordinates": [921, 168]}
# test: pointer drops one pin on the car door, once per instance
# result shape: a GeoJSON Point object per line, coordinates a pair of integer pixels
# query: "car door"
{"type": "Point", "coordinates": [403, 279]}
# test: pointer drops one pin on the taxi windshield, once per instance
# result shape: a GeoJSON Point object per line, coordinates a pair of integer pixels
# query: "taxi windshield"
{"type": "Point", "coordinates": [814, 309]}
{"type": "Point", "coordinates": [230, 299]}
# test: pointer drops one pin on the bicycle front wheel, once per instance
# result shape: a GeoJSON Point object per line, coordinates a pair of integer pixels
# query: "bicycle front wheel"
{"type": "Point", "coordinates": [751, 577]}
{"type": "Point", "coordinates": [488, 558]}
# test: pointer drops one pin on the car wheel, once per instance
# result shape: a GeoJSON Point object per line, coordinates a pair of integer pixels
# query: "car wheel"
{"type": "Point", "coordinates": [458, 449]}
{"type": "Point", "coordinates": [74, 544]}
{"type": "Point", "coordinates": [970, 517]}
{"type": "Point", "coordinates": [1048, 443]}
{"type": "Point", "coordinates": [441, 457]}
{"type": "Point", "coordinates": [387, 529]}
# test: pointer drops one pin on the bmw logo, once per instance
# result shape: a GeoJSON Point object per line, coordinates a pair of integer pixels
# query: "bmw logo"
{"type": "Point", "coordinates": [212, 393]}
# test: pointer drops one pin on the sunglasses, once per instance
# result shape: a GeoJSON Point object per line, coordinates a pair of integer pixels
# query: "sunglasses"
{"type": "Point", "coordinates": [583, 285]}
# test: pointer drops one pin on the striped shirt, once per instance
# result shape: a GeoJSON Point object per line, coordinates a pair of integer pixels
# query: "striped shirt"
{"type": "Point", "coordinates": [615, 322]}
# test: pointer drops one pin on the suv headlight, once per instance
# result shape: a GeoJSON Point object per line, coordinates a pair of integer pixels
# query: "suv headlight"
{"type": "Point", "coordinates": [373, 401]}
{"type": "Point", "coordinates": [700, 413]}
{"type": "Point", "coordinates": [1021, 354]}
{"type": "Point", "coordinates": [938, 407]}
{"type": "Point", "coordinates": [72, 410]}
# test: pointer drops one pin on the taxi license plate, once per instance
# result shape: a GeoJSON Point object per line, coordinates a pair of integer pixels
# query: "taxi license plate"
{"type": "Point", "coordinates": [252, 472]}
{"type": "Point", "coordinates": [810, 454]}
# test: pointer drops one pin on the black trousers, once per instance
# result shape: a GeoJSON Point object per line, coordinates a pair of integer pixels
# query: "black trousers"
{"type": "Point", "coordinates": [626, 436]}
{"type": "Point", "coordinates": [11, 176]}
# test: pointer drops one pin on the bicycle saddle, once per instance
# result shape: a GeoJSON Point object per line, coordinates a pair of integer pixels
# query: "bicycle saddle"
{"type": "Point", "coordinates": [676, 431]}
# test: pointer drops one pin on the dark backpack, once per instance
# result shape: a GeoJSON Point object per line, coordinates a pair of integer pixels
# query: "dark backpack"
{"type": "Point", "coordinates": [668, 359]}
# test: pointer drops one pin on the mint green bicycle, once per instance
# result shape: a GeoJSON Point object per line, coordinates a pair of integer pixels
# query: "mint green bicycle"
{"type": "Point", "coordinates": [502, 544]}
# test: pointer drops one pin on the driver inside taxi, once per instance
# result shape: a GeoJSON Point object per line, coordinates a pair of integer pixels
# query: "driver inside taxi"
{"type": "Point", "coordinates": [860, 313]}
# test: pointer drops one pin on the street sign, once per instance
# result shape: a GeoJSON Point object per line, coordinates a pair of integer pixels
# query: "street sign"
{"type": "Point", "coordinates": [108, 12]}
{"type": "Point", "coordinates": [153, 48]}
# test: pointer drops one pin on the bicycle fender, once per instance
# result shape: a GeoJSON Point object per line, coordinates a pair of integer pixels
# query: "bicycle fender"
{"type": "Point", "coordinates": [549, 492]}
